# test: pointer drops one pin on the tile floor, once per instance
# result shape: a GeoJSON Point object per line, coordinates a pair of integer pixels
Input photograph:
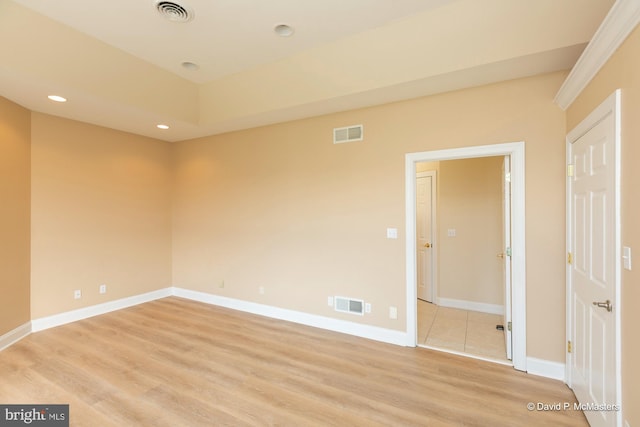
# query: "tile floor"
{"type": "Point", "coordinates": [464, 331]}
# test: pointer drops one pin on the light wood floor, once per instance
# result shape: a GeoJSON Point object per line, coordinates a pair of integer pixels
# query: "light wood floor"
{"type": "Point", "coordinates": [174, 362]}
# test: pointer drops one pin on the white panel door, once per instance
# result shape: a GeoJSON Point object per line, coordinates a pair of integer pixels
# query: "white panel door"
{"type": "Point", "coordinates": [593, 270]}
{"type": "Point", "coordinates": [425, 193]}
{"type": "Point", "coordinates": [506, 255]}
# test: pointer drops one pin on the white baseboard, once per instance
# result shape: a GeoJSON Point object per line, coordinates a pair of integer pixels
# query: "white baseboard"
{"type": "Point", "coordinates": [471, 305]}
{"type": "Point", "coordinates": [365, 331]}
{"type": "Point", "coordinates": [540, 367]}
{"type": "Point", "coordinates": [546, 368]}
{"type": "Point", "coordinates": [337, 325]}
{"type": "Point", "coordinates": [15, 335]}
{"type": "Point", "coordinates": [95, 310]}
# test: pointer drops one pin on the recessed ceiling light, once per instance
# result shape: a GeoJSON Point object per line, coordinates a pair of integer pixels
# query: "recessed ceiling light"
{"type": "Point", "coordinates": [283, 30]}
{"type": "Point", "coordinates": [190, 66]}
{"type": "Point", "coordinates": [162, 127]}
{"type": "Point", "coordinates": [57, 98]}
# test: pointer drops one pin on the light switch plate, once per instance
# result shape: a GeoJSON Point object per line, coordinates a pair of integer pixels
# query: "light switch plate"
{"type": "Point", "coordinates": [392, 233]}
{"type": "Point", "coordinates": [626, 258]}
{"type": "Point", "coordinates": [451, 232]}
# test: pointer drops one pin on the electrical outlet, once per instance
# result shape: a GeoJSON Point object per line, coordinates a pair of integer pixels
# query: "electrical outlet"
{"type": "Point", "coordinates": [261, 290]}
{"type": "Point", "coordinates": [626, 258]}
{"type": "Point", "coordinates": [77, 294]}
{"type": "Point", "coordinates": [367, 307]}
{"type": "Point", "coordinates": [393, 312]}
{"type": "Point", "coordinates": [330, 301]}
{"type": "Point", "coordinates": [103, 289]}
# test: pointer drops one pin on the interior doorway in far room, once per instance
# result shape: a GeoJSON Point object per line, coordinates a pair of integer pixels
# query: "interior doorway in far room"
{"type": "Point", "coordinates": [467, 309]}
{"type": "Point", "coordinates": [463, 256]}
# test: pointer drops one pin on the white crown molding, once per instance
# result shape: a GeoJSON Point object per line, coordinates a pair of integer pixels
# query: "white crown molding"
{"type": "Point", "coordinates": [623, 17]}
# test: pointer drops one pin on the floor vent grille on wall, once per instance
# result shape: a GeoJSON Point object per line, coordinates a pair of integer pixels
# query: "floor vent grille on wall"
{"type": "Point", "coordinates": [348, 134]}
{"type": "Point", "coordinates": [349, 305]}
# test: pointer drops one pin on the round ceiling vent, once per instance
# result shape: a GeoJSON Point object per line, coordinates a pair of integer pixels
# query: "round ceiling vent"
{"type": "Point", "coordinates": [174, 12]}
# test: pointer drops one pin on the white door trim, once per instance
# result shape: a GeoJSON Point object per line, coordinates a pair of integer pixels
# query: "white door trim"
{"type": "Point", "coordinates": [611, 105]}
{"type": "Point", "coordinates": [517, 153]}
{"type": "Point", "coordinates": [506, 241]}
{"type": "Point", "coordinates": [434, 232]}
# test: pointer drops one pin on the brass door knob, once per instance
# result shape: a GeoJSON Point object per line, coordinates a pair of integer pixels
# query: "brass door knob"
{"type": "Point", "coordinates": [427, 245]}
{"type": "Point", "coordinates": [607, 304]}
{"type": "Point", "coordinates": [500, 255]}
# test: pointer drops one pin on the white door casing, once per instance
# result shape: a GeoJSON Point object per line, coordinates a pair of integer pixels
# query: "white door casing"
{"type": "Point", "coordinates": [516, 150]}
{"type": "Point", "coordinates": [506, 254]}
{"type": "Point", "coordinates": [425, 227]}
{"type": "Point", "coordinates": [593, 268]}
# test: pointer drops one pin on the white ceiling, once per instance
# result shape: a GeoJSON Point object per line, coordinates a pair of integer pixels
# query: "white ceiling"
{"type": "Point", "coordinates": [119, 62]}
{"type": "Point", "coordinates": [225, 36]}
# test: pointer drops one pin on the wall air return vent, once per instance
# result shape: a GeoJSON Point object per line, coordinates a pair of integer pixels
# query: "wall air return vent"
{"type": "Point", "coordinates": [348, 134]}
{"type": "Point", "coordinates": [349, 305]}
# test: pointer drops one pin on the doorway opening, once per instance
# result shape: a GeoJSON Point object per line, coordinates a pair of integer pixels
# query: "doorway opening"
{"type": "Point", "coordinates": [517, 298]}
{"type": "Point", "coordinates": [463, 259]}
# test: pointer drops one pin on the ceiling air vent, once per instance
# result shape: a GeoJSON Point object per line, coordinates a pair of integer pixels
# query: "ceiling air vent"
{"type": "Point", "coordinates": [348, 134]}
{"type": "Point", "coordinates": [174, 12]}
{"type": "Point", "coordinates": [349, 305]}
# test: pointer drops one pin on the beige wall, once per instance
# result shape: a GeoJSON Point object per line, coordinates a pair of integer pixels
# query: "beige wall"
{"type": "Point", "coordinates": [15, 179]}
{"type": "Point", "coordinates": [100, 214]}
{"type": "Point", "coordinates": [623, 71]}
{"type": "Point", "coordinates": [283, 208]}
{"type": "Point", "coordinates": [470, 201]}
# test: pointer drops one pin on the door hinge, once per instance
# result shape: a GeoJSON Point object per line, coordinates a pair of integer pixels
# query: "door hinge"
{"type": "Point", "coordinates": [569, 170]}
{"type": "Point", "coordinates": [507, 177]}
{"type": "Point", "coordinates": [508, 251]}
{"type": "Point", "coordinates": [569, 347]}
{"type": "Point", "coordinates": [509, 326]}
{"type": "Point", "coordinates": [570, 258]}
